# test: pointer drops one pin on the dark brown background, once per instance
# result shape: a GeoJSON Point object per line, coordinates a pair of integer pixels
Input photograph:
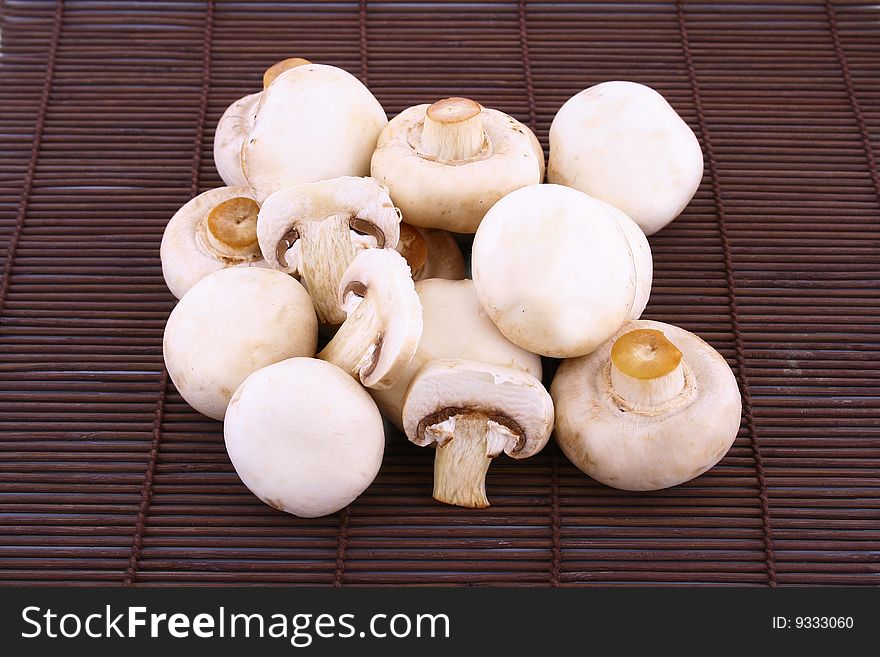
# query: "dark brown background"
{"type": "Point", "coordinates": [108, 111]}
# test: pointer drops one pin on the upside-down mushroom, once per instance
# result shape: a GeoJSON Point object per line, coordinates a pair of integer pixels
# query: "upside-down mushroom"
{"type": "Point", "coordinates": [316, 229]}
{"type": "Point", "coordinates": [651, 408]}
{"type": "Point", "coordinates": [473, 412]}
{"type": "Point", "coordinates": [558, 271]}
{"type": "Point", "coordinates": [621, 142]}
{"type": "Point", "coordinates": [304, 437]}
{"type": "Point", "coordinates": [446, 164]}
{"type": "Point", "coordinates": [230, 324]}
{"type": "Point", "coordinates": [215, 230]}
{"type": "Point", "coordinates": [383, 326]}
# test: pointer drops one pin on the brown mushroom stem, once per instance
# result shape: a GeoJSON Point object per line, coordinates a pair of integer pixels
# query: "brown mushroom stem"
{"type": "Point", "coordinates": [355, 347]}
{"type": "Point", "coordinates": [413, 248]}
{"type": "Point", "coordinates": [461, 464]}
{"type": "Point", "coordinates": [646, 370]}
{"type": "Point", "coordinates": [452, 130]}
{"type": "Point", "coordinates": [326, 251]}
{"type": "Point", "coordinates": [230, 229]}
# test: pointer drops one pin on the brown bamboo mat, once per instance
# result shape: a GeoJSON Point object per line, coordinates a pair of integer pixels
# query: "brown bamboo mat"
{"type": "Point", "coordinates": [107, 119]}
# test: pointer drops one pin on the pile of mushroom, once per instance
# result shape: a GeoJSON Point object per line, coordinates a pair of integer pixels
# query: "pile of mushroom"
{"type": "Point", "coordinates": [323, 288]}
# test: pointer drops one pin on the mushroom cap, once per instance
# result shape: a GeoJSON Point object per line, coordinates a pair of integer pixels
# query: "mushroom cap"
{"type": "Point", "coordinates": [639, 451]}
{"type": "Point", "coordinates": [304, 437]}
{"type": "Point", "coordinates": [288, 208]}
{"type": "Point", "coordinates": [186, 256]}
{"type": "Point", "coordinates": [313, 122]}
{"type": "Point", "coordinates": [554, 270]}
{"type": "Point", "coordinates": [454, 196]}
{"type": "Point", "coordinates": [232, 129]}
{"type": "Point", "coordinates": [230, 324]}
{"type": "Point", "coordinates": [454, 325]}
{"type": "Point", "coordinates": [511, 397]}
{"type": "Point", "coordinates": [623, 143]}
{"type": "Point", "coordinates": [431, 253]}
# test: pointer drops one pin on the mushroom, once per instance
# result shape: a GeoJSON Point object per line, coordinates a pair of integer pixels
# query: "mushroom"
{"type": "Point", "coordinates": [315, 230]}
{"type": "Point", "coordinates": [377, 341]}
{"type": "Point", "coordinates": [238, 121]}
{"type": "Point", "coordinates": [643, 260]}
{"type": "Point", "coordinates": [215, 230]}
{"type": "Point", "coordinates": [304, 437]}
{"type": "Point", "coordinates": [232, 128]}
{"type": "Point", "coordinates": [313, 122]}
{"type": "Point", "coordinates": [430, 253]}
{"type": "Point", "coordinates": [446, 164]}
{"type": "Point", "coordinates": [473, 412]}
{"type": "Point", "coordinates": [621, 142]}
{"type": "Point", "coordinates": [454, 326]}
{"type": "Point", "coordinates": [653, 407]}
{"type": "Point", "coordinates": [230, 324]}
{"type": "Point", "coordinates": [555, 271]}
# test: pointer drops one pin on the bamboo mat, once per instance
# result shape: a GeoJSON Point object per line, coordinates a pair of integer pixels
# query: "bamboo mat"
{"type": "Point", "coordinates": [107, 119]}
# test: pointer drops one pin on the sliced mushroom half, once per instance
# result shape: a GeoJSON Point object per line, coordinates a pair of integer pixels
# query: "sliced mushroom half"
{"type": "Point", "coordinates": [315, 231]}
{"type": "Point", "coordinates": [380, 336]}
{"type": "Point", "coordinates": [473, 412]}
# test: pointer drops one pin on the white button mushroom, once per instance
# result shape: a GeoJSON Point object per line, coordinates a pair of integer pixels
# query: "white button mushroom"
{"type": "Point", "coordinates": [232, 129]}
{"type": "Point", "coordinates": [316, 229]}
{"type": "Point", "coordinates": [430, 253]}
{"type": "Point", "coordinates": [455, 325]}
{"type": "Point", "coordinates": [304, 437]}
{"type": "Point", "coordinates": [654, 407]}
{"type": "Point", "coordinates": [555, 269]}
{"type": "Point", "coordinates": [377, 341]}
{"type": "Point", "coordinates": [446, 164]}
{"type": "Point", "coordinates": [230, 324]}
{"type": "Point", "coordinates": [238, 121]}
{"type": "Point", "coordinates": [621, 142]}
{"type": "Point", "coordinates": [474, 412]}
{"type": "Point", "coordinates": [643, 260]}
{"type": "Point", "coordinates": [313, 122]}
{"type": "Point", "coordinates": [215, 230]}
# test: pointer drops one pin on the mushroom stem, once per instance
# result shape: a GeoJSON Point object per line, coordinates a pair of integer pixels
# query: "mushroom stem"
{"type": "Point", "coordinates": [230, 228]}
{"type": "Point", "coordinates": [646, 370]}
{"type": "Point", "coordinates": [277, 69]}
{"type": "Point", "coordinates": [461, 463]}
{"type": "Point", "coordinates": [453, 130]}
{"type": "Point", "coordinates": [355, 348]}
{"type": "Point", "coordinates": [413, 248]}
{"type": "Point", "coordinates": [326, 251]}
